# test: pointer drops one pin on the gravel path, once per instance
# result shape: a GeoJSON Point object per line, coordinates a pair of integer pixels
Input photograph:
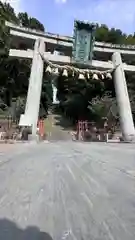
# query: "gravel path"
{"type": "Point", "coordinates": [67, 190]}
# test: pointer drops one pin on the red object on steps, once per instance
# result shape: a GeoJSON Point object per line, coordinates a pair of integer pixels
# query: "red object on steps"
{"type": "Point", "coordinates": [41, 127]}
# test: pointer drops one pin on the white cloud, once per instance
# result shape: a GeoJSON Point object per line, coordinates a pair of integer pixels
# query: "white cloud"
{"type": "Point", "coordinates": [114, 13]}
{"type": "Point", "coordinates": [119, 13]}
{"type": "Point", "coordinates": [61, 1]}
{"type": "Point", "coordinates": [16, 4]}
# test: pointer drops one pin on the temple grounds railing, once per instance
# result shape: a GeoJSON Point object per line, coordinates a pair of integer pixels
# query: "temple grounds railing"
{"type": "Point", "coordinates": [89, 131]}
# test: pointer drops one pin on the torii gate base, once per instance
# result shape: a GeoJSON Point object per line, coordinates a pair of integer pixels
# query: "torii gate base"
{"type": "Point", "coordinates": [30, 117]}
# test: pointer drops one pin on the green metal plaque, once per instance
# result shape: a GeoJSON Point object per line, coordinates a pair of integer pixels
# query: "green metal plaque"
{"type": "Point", "coordinates": [83, 42]}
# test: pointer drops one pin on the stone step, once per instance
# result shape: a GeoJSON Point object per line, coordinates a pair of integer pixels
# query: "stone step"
{"type": "Point", "coordinates": [54, 130]}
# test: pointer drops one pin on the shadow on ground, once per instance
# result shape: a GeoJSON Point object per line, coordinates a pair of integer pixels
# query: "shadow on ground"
{"type": "Point", "coordinates": [10, 231]}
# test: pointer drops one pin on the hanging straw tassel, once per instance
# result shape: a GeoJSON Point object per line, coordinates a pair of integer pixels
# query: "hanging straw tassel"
{"type": "Point", "coordinates": [95, 76]}
{"type": "Point", "coordinates": [102, 76]}
{"type": "Point", "coordinates": [81, 76]}
{"type": "Point", "coordinates": [48, 69]}
{"type": "Point", "coordinates": [65, 73]}
{"type": "Point", "coordinates": [108, 75]}
{"type": "Point", "coordinates": [56, 71]}
{"type": "Point", "coordinates": [73, 74]}
{"type": "Point", "coordinates": [88, 75]}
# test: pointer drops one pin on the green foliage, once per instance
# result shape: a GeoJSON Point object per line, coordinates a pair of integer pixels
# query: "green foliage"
{"type": "Point", "coordinates": [115, 36]}
{"type": "Point", "coordinates": [35, 24]}
{"type": "Point", "coordinates": [14, 73]}
{"type": "Point", "coordinates": [30, 22]}
{"type": "Point", "coordinates": [101, 108]}
{"type": "Point", "coordinates": [76, 96]}
{"type": "Point", "coordinates": [46, 96]}
{"type": "Point", "coordinates": [6, 14]}
{"type": "Point", "coordinates": [23, 19]}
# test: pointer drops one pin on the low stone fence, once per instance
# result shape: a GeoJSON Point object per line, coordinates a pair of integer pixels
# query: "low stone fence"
{"type": "Point", "coordinates": [88, 132]}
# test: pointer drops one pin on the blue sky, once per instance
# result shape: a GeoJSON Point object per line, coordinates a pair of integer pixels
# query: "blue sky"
{"type": "Point", "coordinates": [58, 15]}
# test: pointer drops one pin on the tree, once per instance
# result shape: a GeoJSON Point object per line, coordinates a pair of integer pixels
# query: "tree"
{"type": "Point", "coordinates": [30, 22]}
{"type": "Point", "coordinates": [101, 108]}
{"type": "Point", "coordinates": [35, 24]}
{"type": "Point", "coordinates": [115, 36]}
{"type": "Point", "coordinates": [6, 14]}
{"type": "Point", "coordinates": [14, 73]}
{"type": "Point", "coordinates": [24, 19]}
{"type": "Point", "coordinates": [102, 33]}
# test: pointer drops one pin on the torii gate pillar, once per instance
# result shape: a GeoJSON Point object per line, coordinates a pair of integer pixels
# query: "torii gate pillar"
{"type": "Point", "coordinates": [122, 97]}
{"type": "Point", "coordinates": [31, 114]}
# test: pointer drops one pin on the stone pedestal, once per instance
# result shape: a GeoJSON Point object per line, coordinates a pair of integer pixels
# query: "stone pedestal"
{"type": "Point", "coordinates": [123, 102]}
{"type": "Point", "coordinates": [30, 117]}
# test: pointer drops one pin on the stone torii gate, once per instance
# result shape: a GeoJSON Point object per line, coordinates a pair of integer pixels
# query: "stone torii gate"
{"type": "Point", "coordinates": [30, 116]}
{"type": "Point", "coordinates": [41, 48]}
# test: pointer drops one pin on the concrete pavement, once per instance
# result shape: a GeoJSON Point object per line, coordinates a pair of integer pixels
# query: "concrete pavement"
{"type": "Point", "coordinates": [67, 190]}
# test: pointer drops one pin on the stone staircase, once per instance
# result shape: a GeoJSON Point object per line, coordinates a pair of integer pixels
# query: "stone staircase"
{"type": "Point", "coordinates": [54, 130]}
